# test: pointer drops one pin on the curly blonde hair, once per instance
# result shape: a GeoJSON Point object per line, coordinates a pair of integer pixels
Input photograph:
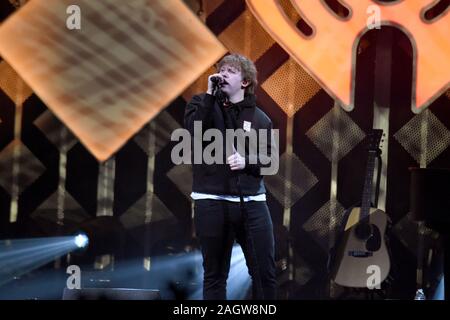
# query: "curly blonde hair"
{"type": "Point", "coordinates": [243, 64]}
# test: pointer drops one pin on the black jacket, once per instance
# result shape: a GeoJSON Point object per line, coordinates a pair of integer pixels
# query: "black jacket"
{"type": "Point", "coordinates": [219, 178]}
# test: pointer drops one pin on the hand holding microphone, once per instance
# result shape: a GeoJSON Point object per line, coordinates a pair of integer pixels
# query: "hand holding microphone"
{"type": "Point", "coordinates": [214, 81]}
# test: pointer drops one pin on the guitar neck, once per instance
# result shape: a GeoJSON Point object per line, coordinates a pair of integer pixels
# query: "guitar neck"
{"type": "Point", "coordinates": [368, 183]}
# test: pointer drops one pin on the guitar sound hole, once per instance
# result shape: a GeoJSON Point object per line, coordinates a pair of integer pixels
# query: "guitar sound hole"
{"type": "Point", "coordinates": [374, 242]}
{"type": "Point", "coordinates": [363, 231]}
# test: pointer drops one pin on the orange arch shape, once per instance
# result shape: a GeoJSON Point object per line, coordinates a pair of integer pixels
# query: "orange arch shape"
{"type": "Point", "coordinates": [329, 55]}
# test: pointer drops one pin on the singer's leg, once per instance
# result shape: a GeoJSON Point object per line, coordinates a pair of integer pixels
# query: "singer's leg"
{"type": "Point", "coordinates": [216, 241]}
{"type": "Point", "coordinates": [259, 249]}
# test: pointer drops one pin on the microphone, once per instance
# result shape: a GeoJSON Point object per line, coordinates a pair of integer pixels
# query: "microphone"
{"type": "Point", "coordinates": [216, 80]}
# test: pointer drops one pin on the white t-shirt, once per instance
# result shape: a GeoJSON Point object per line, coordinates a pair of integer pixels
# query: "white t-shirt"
{"type": "Point", "coordinates": [202, 196]}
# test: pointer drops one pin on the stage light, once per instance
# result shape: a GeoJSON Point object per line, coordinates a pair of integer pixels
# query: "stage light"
{"type": "Point", "coordinates": [81, 240]}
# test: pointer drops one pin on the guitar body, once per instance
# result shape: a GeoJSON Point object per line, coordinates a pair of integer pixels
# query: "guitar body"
{"type": "Point", "coordinates": [357, 258]}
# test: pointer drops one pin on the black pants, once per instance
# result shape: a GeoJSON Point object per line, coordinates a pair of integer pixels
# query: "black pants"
{"type": "Point", "coordinates": [218, 223]}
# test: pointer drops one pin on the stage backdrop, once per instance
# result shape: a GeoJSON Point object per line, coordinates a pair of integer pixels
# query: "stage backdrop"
{"type": "Point", "coordinates": [51, 184]}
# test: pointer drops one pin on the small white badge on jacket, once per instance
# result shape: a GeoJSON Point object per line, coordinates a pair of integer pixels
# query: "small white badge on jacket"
{"type": "Point", "coordinates": [247, 125]}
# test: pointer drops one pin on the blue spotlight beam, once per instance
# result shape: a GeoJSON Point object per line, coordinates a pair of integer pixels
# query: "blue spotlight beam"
{"type": "Point", "coordinates": [18, 257]}
{"type": "Point", "coordinates": [239, 279]}
{"type": "Point", "coordinates": [26, 250]}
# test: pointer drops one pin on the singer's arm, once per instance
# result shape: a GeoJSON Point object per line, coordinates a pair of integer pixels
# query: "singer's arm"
{"type": "Point", "coordinates": [199, 109]}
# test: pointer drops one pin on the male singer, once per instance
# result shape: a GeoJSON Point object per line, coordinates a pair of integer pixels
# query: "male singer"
{"type": "Point", "coordinates": [230, 199]}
